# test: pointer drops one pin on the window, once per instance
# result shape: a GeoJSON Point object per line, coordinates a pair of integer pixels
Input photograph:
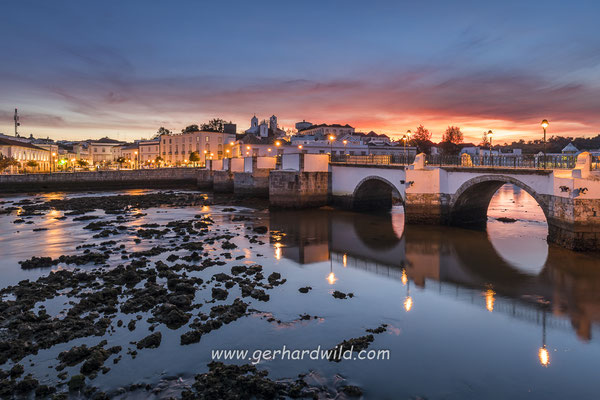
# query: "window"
{"type": "Point", "coordinates": [95, 150]}
{"type": "Point", "coordinates": [220, 139]}
{"type": "Point", "coordinates": [103, 150]}
{"type": "Point", "coordinates": [206, 137]}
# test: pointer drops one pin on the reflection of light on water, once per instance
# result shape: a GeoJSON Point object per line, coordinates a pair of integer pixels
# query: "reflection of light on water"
{"type": "Point", "coordinates": [345, 259]}
{"type": "Point", "coordinates": [53, 213]}
{"type": "Point", "coordinates": [489, 300]}
{"type": "Point", "coordinates": [408, 303]}
{"type": "Point", "coordinates": [205, 209]}
{"type": "Point", "coordinates": [278, 251]}
{"type": "Point", "coordinates": [404, 278]}
{"type": "Point", "coordinates": [331, 278]}
{"type": "Point", "coordinates": [544, 356]}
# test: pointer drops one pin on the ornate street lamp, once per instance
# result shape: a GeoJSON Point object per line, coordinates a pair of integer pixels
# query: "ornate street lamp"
{"type": "Point", "coordinates": [406, 139]}
{"type": "Point", "coordinates": [545, 125]}
{"type": "Point", "coordinates": [490, 136]}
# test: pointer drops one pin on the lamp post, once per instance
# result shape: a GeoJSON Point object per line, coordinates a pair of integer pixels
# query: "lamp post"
{"type": "Point", "coordinates": [331, 139]}
{"type": "Point", "coordinates": [406, 138]}
{"type": "Point", "coordinates": [490, 135]}
{"type": "Point", "coordinates": [345, 143]}
{"type": "Point", "coordinates": [53, 162]}
{"type": "Point", "coordinates": [545, 125]}
{"type": "Point", "coordinates": [136, 163]}
{"type": "Point", "coordinates": [205, 158]}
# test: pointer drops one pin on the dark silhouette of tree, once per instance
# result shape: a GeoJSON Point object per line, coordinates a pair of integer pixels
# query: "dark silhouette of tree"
{"type": "Point", "coordinates": [194, 157]}
{"type": "Point", "coordinates": [161, 131]}
{"type": "Point", "coordinates": [190, 128]}
{"type": "Point", "coordinates": [451, 140]}
{"type": "Point", "coordinates": [422, 139]}
{"type": "Point", "coordinates": [214, 125]}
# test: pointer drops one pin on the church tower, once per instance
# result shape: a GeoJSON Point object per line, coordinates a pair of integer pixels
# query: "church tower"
{"type": "Point", "coordinates": [254, 122]}
{"type": "Point", "coordinates": [273, 123]}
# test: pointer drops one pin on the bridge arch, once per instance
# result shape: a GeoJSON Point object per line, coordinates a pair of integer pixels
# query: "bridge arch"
{"type": "Point", "coordinates": [469, 204]}
{"type": "Point", "coordinates": [376, 193]}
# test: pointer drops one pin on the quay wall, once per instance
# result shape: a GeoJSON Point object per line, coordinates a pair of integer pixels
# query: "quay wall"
{"type": "Point", "coordinates": [100, 180]}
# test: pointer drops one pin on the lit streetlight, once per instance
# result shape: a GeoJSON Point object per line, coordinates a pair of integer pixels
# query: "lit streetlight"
{"type": "Point", "coordinates": [406, 139]}
{"type": "Point", "coordinates": [545, 125]}
{"type": "Point", "coordinates": [490, 136]}
{"type": "Point", "coordinates": [331, 139]}
{"type": "Point", "coordinates": [345, 143]}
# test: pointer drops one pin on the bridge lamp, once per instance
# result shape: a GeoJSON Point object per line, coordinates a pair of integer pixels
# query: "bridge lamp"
{"type": "Point", "coordinates": [545, 125]}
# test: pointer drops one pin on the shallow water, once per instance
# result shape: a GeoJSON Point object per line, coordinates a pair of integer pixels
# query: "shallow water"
{"type": "Point", "coordinates": [467, 311]}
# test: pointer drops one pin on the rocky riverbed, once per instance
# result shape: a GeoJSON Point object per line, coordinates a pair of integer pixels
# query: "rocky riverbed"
{"type": "Point", "coordinates": [146, 271]}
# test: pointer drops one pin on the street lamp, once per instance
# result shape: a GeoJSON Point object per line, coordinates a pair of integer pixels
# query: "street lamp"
{"type": "Point", "coordinates": [545, 125]}
{"type": "Point", "coordinates": [136, 163]}
{"type": "Point", "coordinates": [345, 143]}
{"type": "Point", "coordinates": [490, 135]}
{"type": "Point", "coordinates": [53, 163]}
{"type": "Point", "coordinates": [205, 158]}
{"type": "Point", "coordinates": [406, 139]}
{"type": "Point", "coordinates": [331, 139]}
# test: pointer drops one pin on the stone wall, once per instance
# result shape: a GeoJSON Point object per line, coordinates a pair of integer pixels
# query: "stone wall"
{"type": "Point", "coordinates": [574, 223]}
{"type": "Point", "coordinates": [426, 208]}
{"type": "Point", "coordinates": [255, 184]}
{"type": "Point", "coordinates": [100, 180]}
{"type": "Point", "coordinates": [204, 179]}
{"type": "Point", "coordinates": [223, 181]}
{"type": "Point", "coordinates": [294, 189]}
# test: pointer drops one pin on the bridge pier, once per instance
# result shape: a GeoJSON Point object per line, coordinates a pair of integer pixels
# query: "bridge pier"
{"type": "Point", "coordinates": [254, 180]}
{"type": "Point", "coordinates": [574, 223]}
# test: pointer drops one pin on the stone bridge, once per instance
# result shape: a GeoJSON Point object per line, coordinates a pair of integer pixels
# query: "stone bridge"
{"type": "Point", "coordinates": [460, 196]}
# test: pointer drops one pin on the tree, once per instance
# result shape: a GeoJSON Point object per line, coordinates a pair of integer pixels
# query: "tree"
{"type": "Point", "coordinates": [6, 162]}
{"type": "Point", "coordinates": [190, 128]}
{"type": "Point", "coordinates": [194, 157]}
{"type": "Point", "coordinates": [31, 164]}
{"type": "Point", "coordinates": [214, 125]}
{"type": "Point", "coordinates": [422, 134]}
{"type": "Point", "coordinates": [453, 135]}
{"type": "Point", "coordinates": [82, 163]}
{"type": "Point", "coordinates": [422, 139]}
{"type": "Point", "coordinates": [161, 131]}
{"type": "Point", "coordinates": [485, 140]}
{"type": "Point", "coordinates": [451, 139]}
{"type": "Point", "coordinates": [158, 159]}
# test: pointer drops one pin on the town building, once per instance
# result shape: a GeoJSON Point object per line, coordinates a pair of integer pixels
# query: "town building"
{"type": "Point", "coordinates": [105, 150]}
{"type": "Point", "coordinates": [176, 149]}
{"type": "Point", "coordinates": [265, 128]}
{"type": "Point", "coordinates": [149, 151]}
{"type": "Point", "coordinates": [24, 152]}
{"type": "Point", "coordinates": [129, 155]}
{"type": "Point", "coordinates": [323, 130]}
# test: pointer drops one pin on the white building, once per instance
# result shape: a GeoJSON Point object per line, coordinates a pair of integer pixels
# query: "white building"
{"type": "Point", "coordinates": [265, 128]}
{"type": "Point", "coordinates": [24, 152]}
{"type": "Point", "coordinates": [324, 130]}
{"type": "Point", "coordinates": [104, 150]}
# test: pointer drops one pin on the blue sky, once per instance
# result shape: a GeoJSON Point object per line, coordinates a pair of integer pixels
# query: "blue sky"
{"type": "Point", "coordinates": [80, 69]}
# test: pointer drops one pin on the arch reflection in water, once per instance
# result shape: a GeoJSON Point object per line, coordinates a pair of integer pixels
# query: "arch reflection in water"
{"type": "Point", "coordinates": [568, 283]}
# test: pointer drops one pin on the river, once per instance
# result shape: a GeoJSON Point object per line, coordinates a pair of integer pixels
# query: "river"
{"type": "Point", "coordinates": [469, 314]}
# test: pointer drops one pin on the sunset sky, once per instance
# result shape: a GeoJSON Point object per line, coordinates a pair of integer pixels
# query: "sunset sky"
{"type": "Point", "coordinates": [88, 69]}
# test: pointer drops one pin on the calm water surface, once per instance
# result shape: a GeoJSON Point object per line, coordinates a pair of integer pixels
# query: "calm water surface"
{"type": "Point", "coordinates": [467, 312]}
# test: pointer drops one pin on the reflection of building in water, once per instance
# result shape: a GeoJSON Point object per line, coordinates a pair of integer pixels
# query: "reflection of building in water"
{"type": "Point", "coordinates": [464, 262]}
